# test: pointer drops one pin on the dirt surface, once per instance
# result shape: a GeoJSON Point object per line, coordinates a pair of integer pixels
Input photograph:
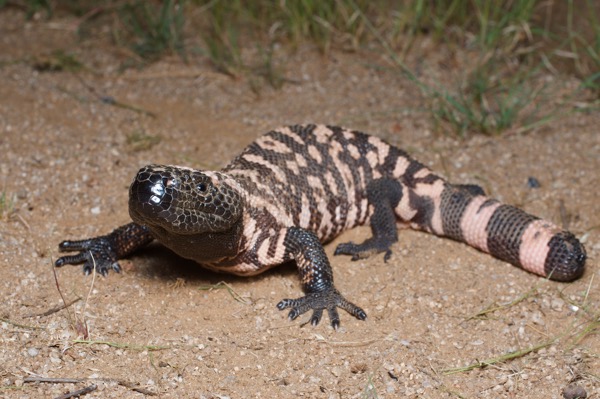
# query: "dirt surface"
{"type": "Point", "coordinates": [65, 167]}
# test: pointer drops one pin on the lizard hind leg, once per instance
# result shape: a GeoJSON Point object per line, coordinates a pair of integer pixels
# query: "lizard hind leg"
{"type": "Point", "coordinates": [383, 194]}
{"type": "Point", "coordinates": [472, 189]}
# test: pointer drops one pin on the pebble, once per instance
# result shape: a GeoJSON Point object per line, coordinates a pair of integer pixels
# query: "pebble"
{"type": "Point", "coordinates": [33, 352]}
{"type": "Point", "coordinates": [22, 194]}
{"type": "Point", "coordinates": [532, 182]}
{"type": "Point", "coordinates": [537, 318]}
{"type": "Point", "coordinates": [557, 304]}
{"type": "Point", "coordinates": [574, 391]}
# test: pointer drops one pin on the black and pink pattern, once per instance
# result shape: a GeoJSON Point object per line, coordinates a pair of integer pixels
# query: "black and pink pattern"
{"type": "Point", "coordinates": [298, 187]}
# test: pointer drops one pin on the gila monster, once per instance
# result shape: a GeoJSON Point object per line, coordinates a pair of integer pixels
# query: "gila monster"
{"type": "Point", "coordinates": [300, 186]}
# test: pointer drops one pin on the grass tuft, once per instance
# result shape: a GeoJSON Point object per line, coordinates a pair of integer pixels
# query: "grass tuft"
{"type": "Point", "coordinates": [7, 204]}
{"type": "Point", "coordinates": [154, 28]}
{"type": "Point", "coordinates": [138, 141]}
{"type": "Point", "coordinates": [491, 102]}
{"type": "Point", "coordinates": [57, 61]}
{"type": "Point", "coordinates": [32, 7]}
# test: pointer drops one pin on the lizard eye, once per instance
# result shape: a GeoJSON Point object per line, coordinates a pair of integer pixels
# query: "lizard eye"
{"type": "Point", "coordinates": [201, 187]}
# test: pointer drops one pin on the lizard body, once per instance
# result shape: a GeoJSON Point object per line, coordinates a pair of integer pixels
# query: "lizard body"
{"type": "Point", "coordinates": [300, 186]}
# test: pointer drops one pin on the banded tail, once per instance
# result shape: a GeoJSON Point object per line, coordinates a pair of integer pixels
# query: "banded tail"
{"type": "Point", "coordinates": [511, 234]}
{"type": "Point", "coordinates": [466, 214]}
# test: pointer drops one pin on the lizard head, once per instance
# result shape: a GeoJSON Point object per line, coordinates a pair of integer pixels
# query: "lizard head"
{"type": "Point", "coordinates": [183, 201]}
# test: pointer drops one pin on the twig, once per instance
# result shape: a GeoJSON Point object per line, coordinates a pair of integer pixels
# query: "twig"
{"type": "Point", "coordinates": [55, 380]}
{"type": "Point", "coordinates": [126, 384]}
{"type": "Point", "coordinates": [587, 291]}
{"type": "Point", "coordinates": [122, 346]}
{"type": "Point", "coordinates": [134, 388]}
{"type": "Point", "coordinates": [166, 75]}
{"type": "Point", "coordinates": [112, 101]}
{"type": "Point", "coordinates": [23, 222]}
{"type": "Point", "coordinates": [565, 218]}
{"type": "Point", "coordinates": [61, 294]}
{"type": "Point", "coordinates": [493, 307]}
{"type": "Point", "coordinates": [223, 284]}
{"type": "Point", "coordinates": [56, 309]}
{"type": "Point", "coordinates": [591, 327]}
{"type": "Point", "coordinates": [84, 326]}
{"type": "Point", "coordinates": [499, 359]}
{"type": "Point", "coordinates": [20, 325]}
{"type": "Point", "coordinates": [79, 392]}
{"type": "Point", "coordinates": [72, 319]}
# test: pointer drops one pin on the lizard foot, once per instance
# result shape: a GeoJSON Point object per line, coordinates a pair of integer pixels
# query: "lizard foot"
{"type": "Point", "coordinates": [95, 253]}
{"type": "Point", "coordinates": [369, 247]}
{"type": "Point", "coordinates": [329, 299]}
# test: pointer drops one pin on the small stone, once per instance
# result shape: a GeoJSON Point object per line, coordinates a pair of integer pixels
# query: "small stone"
{"type": "Point", "coordinates": [557, 304]}
{"type": "Point", "coordinates": [283, 382]}
{"type": "Point", "coordinates": [574, 308]}
{"type": "Point", "coordinates": [95, 210]}
{"type": "Point", "coordinates": [574, 391]}
{"type": "Point", "coordinates": [532, 182]}
{"type": "Point", "coordinates": [33, 352]}
{"type": "Point", "coordinates": [314, 380]}
{"type": "Point", "coordinates": [390, 388]}
{"type": "Point", "coordinates": [537, 318]}
{"type": "Point", "coordinates": [358, 368]}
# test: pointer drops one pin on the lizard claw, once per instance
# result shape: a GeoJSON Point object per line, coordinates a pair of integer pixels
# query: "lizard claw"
{"type": "Point", "coordinates": [370, 247]}
{"type": "Point", "coordinates": [329, 299]}
{"type": "Point", "coordinates": [95, 254]}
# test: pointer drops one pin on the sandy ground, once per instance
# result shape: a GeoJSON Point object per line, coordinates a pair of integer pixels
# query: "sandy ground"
{"type": "Point", "coordinates": [65, 166]}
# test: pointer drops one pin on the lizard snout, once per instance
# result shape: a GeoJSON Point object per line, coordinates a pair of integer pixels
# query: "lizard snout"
{"type": "Point", "coordinates": [150, 193]}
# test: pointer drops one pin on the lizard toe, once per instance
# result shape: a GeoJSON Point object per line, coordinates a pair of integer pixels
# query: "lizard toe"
{"type": "Point", "coordinates": [329, 299]}
{"type": "Point", "coordinates": [370, 247]}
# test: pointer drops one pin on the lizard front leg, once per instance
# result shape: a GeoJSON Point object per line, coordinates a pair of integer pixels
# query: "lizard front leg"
{"type": "Point", "coordinates": [103, 252]}
{"type": "Point", "coordinates": [316, 276]}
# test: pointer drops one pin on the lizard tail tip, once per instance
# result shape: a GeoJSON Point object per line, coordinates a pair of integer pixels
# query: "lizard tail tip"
{"type": "Point", "coordinates": [566, 258]}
